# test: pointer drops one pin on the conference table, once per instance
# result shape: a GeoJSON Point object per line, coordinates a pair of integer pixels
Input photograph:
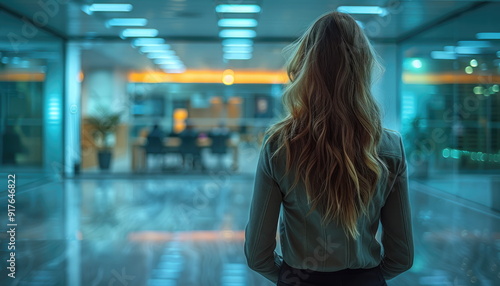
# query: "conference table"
{"type": "Point", "coordinates": [172, 146]}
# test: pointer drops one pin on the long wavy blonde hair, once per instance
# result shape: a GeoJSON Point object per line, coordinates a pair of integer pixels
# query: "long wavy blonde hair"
{"type": "Point", "coordinates": [333, 126]}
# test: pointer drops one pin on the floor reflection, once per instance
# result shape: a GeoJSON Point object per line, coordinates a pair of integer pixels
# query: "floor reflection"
{"type": "Point", "coordinates": [188, 230]}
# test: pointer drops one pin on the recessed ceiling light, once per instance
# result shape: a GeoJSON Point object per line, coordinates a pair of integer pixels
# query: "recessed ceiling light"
{"type": "Point", "coordinates": [237, 42]}
{"type": "Point", "coordinates": [376, 10]}
{"type": "Point", "coordinates": [110, 7]}
{"type": "Point", "coordinates": [172, 66]}
{"type": "Point", "coordinates": [443, 55]}
{"type": "Point", "coordinates": [237, 33]}
{"type": "Point", "coordinates": [488, 36]}
{"type": "Point", "coordinates": [127, 33]}
{"type": "Point", "coordinates": [142, 42]}
{"type": "Point", "coordinates": [127, 22]}
{"type": "Point", "coordinates": [169, 60]}
{"type": "Point", "coordinates": [242, 23]}
{"type": "Point", "coordinates": [230, 8]}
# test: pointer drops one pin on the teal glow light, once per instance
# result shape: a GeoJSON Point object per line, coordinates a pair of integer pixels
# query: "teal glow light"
{"type": "Point", "coordinates": [416, 63]}
{"type": "Point", "coordinates": [488, 36]}
{"type": "Point", "coordinates": [446, 153]}
{"type": "Point", "coordinates": [239, 23]}
{"type": "Point", "coordinates": [455, 154]}
{"type": "Point", "coordinates": [162, 55]}
{"type": "Point", "coordinates": [54, 111]}
{"type": "Point", "coordinates": [128, 33]}
{"type": "Point", "coordinates": [143, 42]}
{"type": "Point", "coordinates": [375, 10]}
{"type": "Point", "coordinates": [449, 153]}
{"type": "Point", "coordinates": [110, 7]}
{"type": "Point", "coordinates": [237, 33]}
{"type": "Point", "coordinates": [237, 42]}
{"type": "Point", "coordinates": [229, 8]}
{"type": "Point", "coordinates": [166, 60]}
{"type": "Point", "coordinates": [127, 22]}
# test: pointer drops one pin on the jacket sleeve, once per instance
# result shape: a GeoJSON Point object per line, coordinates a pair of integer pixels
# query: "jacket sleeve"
{"type": "Point", "coordinates": [260, 233]}
{"type": "Point", "coordinates": [397, 237]}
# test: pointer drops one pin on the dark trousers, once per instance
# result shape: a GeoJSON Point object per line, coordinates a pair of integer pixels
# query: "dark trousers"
{"type": "Point", "coordinates": [290, 276]}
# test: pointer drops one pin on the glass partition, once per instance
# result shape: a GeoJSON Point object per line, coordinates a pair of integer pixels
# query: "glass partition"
{"type": "Point", "coordinates": [31, 97]}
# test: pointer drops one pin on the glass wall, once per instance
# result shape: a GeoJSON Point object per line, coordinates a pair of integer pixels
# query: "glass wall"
{"type": "Point", "coordinates": [31, 97]}
{"type": "Point", "coordinates": [450, 105]}
{"type": "Point", "coordinates": [450, 117]}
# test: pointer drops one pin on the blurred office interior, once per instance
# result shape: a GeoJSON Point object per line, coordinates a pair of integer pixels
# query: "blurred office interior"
{"type": "Point", "coordinates": [134, 127]}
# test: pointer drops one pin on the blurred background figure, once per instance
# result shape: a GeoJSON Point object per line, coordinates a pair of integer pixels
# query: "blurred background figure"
{"type": "Point", "coordinates": [12, 146]}
{"type": "Point", "coordinates": [155, 144]}
{"type": "Point", "coordinates": [219, 137]}
{"type": "Point", "coordinates": [189, 148]}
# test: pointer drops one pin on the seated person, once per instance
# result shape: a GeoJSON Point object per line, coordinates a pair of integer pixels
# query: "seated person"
{"type": "Point", "coordinates": [155, 140]}
{"type": "Point", "coordinates": [219, 137]}
{"type": "Point", "coordinates": [189, 146]}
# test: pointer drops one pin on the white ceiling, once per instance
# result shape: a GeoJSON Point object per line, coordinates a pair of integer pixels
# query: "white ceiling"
{"type": "Point", "coordinates": [190, 26]}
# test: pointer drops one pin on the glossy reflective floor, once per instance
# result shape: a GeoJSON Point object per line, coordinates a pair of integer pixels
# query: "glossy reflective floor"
{"type": "Point", "coordinates": [188, 230]}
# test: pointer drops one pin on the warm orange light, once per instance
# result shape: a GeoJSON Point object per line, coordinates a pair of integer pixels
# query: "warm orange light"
{"type": "Point", "coordinates": [180, 114]}
{"type": "Point", "coordinates": [179, 126]}
{"type": "Point", "coordinates": [211, 76]}
{"type": "Point", "coordinates": [448, 78]}
{"type": "Point", "coordinates": [228, 77]}
{"type": "Point", "coordinates": [22, 77]}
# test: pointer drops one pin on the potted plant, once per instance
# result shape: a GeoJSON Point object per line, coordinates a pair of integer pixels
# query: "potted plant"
{"type": "Point", "coordinates": [104, 124]}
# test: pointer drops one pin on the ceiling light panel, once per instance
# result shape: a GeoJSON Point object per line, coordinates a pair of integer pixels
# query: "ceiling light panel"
{"type": "Point", "coordinates": [238, 23]}
{"type": "Point", "coordinates": [375, 10]}
{"type": "Point", "coordinates": [168, 61]}
{"type": "Point", "coordinates": [237, 42]}
{"type": "Point", "coordinates": [127, 22]}
{"type": "Point", "coordinates": [488, 36]}
{"type": "Point", "coordinates": [443, 55]}
{"type": "Point", "coordinates": [144, 42]}
{"type": "Point", "coordinates": [230, 8]}
{"type": "Point", "coordinates": [110, 7]}
{"type": "Point", "coordinates": [128, 33]}
{"type": "Point", "coordinates": [237, 33]}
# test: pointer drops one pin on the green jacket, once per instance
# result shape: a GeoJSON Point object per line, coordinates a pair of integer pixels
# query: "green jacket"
{"type": "Point", "coordinates": [308, 244]}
